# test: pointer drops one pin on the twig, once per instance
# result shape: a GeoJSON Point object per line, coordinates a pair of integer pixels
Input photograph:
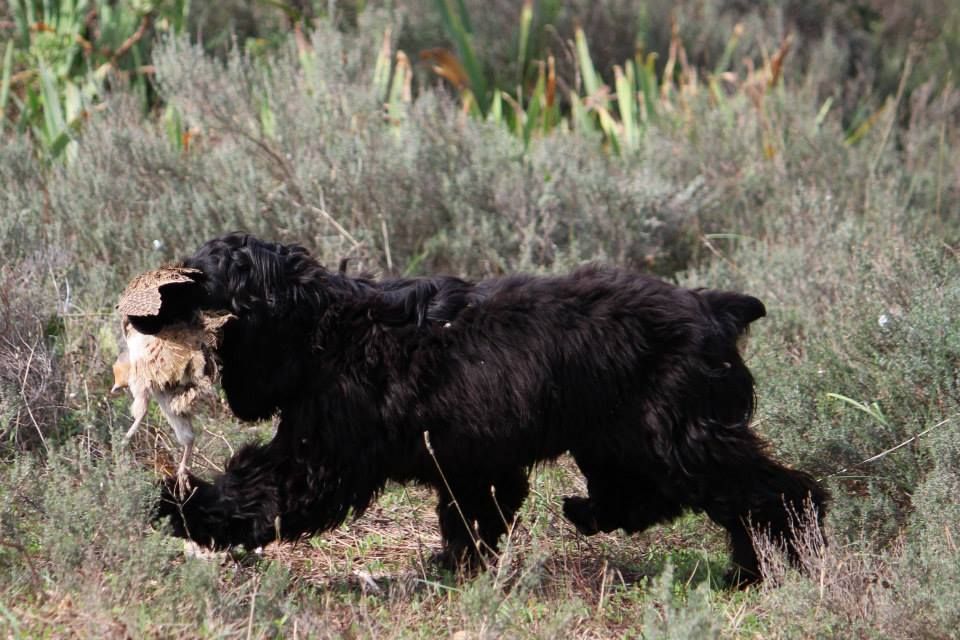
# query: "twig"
{"type": "Point", "coordinates": [132, 40]}
{"type": "Point", "coordinates": [221, 437]}
{"type": "Point", "coordinates": [716, 252]}
{"type": "Point", "coordinates": [213, 465]}
{"type": "Point", "coordinates": [339, 227]}
{"type": "Point", "coordinates": [386, 243]}
{"type": "Point", "coordinates": [180, 504]}
{"type": "Point", "coordinates": [26, 401]}
{"type": "Point", "coordinates": [253, 602]}
{"type": "Point", "coordinates": [453, 498]}
{"type": "Point", "coordinates": [230, 124]}
{"type": "Point", "coordinates": [603, 588]}
{"type": "Point", "coordinates": [940, 149]}
{"type": "Point", "coordinates": [693, 574]}
{"type": "Point", "coordinates": [83, 315]}
{"type": "Point", "coordinates": [907, 68]}
{"type": "Point", "coordinates": [22, 550]}
{"type": "Point", "coordinates": [890, 450]}
{"type": "Point", "coordinates": [493, 494]}
{"type": "Point", "coordinates": [22, 77]}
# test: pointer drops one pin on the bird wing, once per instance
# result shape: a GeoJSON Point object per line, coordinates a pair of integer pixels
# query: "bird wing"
{"type": "Point", "coordinates": [142, 295]}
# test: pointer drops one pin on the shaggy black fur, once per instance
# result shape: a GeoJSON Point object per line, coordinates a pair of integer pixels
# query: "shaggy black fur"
{"type": "Point", "coordinates": [639, 380]}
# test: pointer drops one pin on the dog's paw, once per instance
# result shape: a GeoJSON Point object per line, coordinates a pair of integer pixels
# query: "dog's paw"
{"type": "Point", "coordinates": [459, 560]}
{"type": "Point", "coordinates": [579, 511]}
{"type": "Point", "coordinates": [175, 494]}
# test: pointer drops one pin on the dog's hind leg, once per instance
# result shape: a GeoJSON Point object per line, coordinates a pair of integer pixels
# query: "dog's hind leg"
{"type": "Point", "coordinates": [474, 517]}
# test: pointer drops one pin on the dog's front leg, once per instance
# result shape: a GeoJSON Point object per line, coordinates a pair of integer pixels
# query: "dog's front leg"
{"type": "Point", "coordinates": [475, 514]}
{"type": "Point", "coordinates": [240, 507]}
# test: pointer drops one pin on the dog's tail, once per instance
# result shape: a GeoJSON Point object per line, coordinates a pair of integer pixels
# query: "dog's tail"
{"type": "Point", "coordinates": [736, 308]}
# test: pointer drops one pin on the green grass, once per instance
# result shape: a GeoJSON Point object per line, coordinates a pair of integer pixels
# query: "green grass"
{"type": "Point", "coordinates": [840, 214]}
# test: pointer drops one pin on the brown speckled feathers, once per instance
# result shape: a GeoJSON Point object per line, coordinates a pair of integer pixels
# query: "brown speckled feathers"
{"type": "Point", "coordinates": [142, 295]}
{"type": "Point", "coordinates": [178, 353]}
{"type": "Point", "coordinates": [169, 358]}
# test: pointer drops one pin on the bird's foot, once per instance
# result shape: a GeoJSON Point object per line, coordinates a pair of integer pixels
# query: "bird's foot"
{"type": "Point", "coordinates": [182, 487]}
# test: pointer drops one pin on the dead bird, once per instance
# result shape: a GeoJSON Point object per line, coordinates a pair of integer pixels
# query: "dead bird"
{"type": "Point", "coordinates": [176, 366]}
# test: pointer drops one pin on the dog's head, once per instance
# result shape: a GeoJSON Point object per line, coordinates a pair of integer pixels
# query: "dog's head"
{"type": "Point", "coordinates": [239, 274]}
{"type": "Point", "coordinates": [274, 294]}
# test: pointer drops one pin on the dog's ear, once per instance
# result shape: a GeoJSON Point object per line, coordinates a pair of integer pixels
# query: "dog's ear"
{"type": "Point", "coordinates": [741, 308]}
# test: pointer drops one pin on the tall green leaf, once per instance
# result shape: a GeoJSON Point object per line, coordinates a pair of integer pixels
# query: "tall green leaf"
{"type": "Point", "coordinates": [591, 80]}
{"type": "Point", "coordinates": [54, 132]}
{"type": "Point", "coordinates": [581, 116]}
{"type": "Point", "coordinates": [53, 120]}
{"type": "Point", "coordinates": [382, 67]}
{"type": "Point", "coordinates": [5, 80]}
{"type": "Point", "coordinates": [526, 18]}
{"type": "Point", "coordinates": [626, 104]}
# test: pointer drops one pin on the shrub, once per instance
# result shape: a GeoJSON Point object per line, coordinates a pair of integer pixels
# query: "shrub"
{"type": "Point", "coordinates": [31, 372]}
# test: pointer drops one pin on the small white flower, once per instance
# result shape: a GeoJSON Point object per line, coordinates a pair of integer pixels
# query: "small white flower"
{"type": "Point", "coordinates": [157, 245]}
{"type": "Point", "coordinates": [883, 320]}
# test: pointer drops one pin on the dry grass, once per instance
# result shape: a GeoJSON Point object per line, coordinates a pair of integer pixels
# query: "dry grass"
{"type": "Point", "coordinates": [372, 577]}
{"type": "Point", "coordinates": [31, 376]}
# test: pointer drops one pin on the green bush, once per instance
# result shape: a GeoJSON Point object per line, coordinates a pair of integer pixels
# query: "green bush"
{"type": "Point", "coordinates": [437, 192]}
{"type": "Point", "coordinates": [32, 379]}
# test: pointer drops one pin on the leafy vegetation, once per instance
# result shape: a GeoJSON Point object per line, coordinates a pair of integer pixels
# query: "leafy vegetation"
{"type": "Point", "coordinates": [797, 151]}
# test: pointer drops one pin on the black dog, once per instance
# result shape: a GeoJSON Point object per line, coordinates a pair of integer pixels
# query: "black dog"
{"type": "Point", "coordinates": [465, 386]}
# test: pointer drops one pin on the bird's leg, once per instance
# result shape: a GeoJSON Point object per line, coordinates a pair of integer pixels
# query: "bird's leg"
{"type": "Point", "coordinates": [139, 411]}
{"type": "Point", "coordinates": [183, 429]}
{"type": "Point", "coordinates": [183, 478]}
{"type": "Point", "coordinates": [132, 430]}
